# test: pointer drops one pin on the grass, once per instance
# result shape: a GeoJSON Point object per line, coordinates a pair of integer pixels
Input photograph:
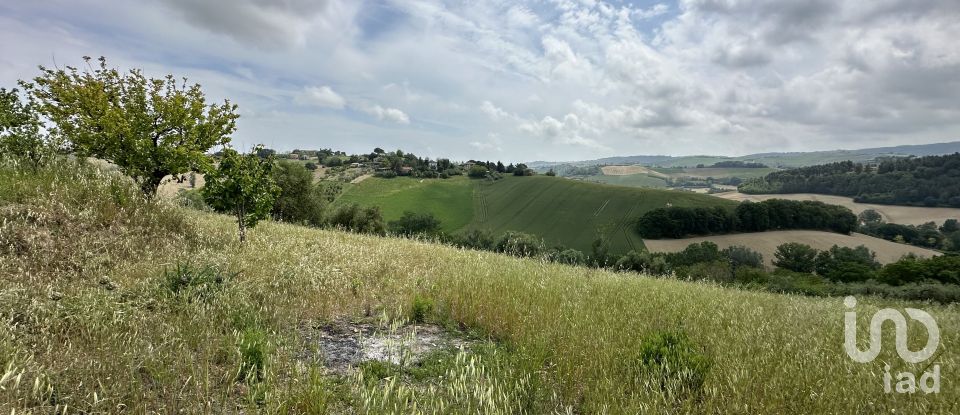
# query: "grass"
{"type": "Point", "coordinates": [574, 213]}
{"type": "Point", "coordinates": [569, 339]}
{"type": "Point", "coordinates": [631, 180]}
{"type": "Point", "coordinates": [562, 211]}
{"type": "Point", "coordinates": [449, 200]}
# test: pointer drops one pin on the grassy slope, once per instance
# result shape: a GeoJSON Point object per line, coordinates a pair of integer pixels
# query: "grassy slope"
{"type": "Point", "coordinates": [449, 200]}
{"type": "Point", "coordinates": [574, 330]}
{"type": "Point", "coordinates": [574, 213]}
{"type": "Point", "coordinates": [631, 180]}
{"type": "Point", "coordinates": [562, 211]}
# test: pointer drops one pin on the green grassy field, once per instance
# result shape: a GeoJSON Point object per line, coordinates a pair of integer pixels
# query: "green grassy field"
{"type": "Point", "coordinates": [450, 200]}
{"type": "Point", "coordinates": [95, 324]}
{"type": "Point", "coordinates": [630, 180]}
{"type": "Point", "coordinates": [562, 211]}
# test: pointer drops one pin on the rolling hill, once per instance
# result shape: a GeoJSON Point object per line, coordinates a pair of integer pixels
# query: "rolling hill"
{"type": "Point", "coordinates": [786, 160]}
{"type": "Point", "coordinates": [566, 212]}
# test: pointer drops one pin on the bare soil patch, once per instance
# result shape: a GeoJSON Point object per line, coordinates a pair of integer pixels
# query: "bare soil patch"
{"type": "Point", "coordinates": [342, 345]}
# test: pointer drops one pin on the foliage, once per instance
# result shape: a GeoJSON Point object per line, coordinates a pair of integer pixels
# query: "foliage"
{"type": "Point", "coordinates": [299, 200]}
{"type": "Point", "coordinates": [476, 239]}
{"type": "Point", "coordinates": [148, 127]}
{"type": "Point", "coordinates": [568, 257]}
{"type": "Point", "coordinates": [477, 171]}
{"type": "Point", "coordinates": [944, 269]}
{"type": "Point", "coordinates": [242, 185]}
{"type": "Point", "coordinates": [796, 257]}
{"type": "Point", "coordinates": [358, 219]}
{"type": "Point", "coordinates": [705, 251]}
{"type": "Point", "coordinates": [741, 256]}
{"type": "Point", "coordinates": [192, 199]}
{"type": "Point", "coordinates": [519, 244]}
{"type": "Point", "coordinates": [642, 262]}
{"type": "Point", "coordinates": [914, 181]}
{"type": "Point", "coordinates": [737, 164]}
{"type": "Point", "coordinates": [20, 135]}
{"type": "Point", "coordinates": [421, 309]}
{"type": "Point", "coordinates": [673, 361]}
{"type": "Point", "coordinates": [414, 224]}
{"type": "Point", "coordinates": [773, 214]}
{"type": "Point", "coordinates": [870, 216]}
{"type": "Point", "coordinates": [845, 264]}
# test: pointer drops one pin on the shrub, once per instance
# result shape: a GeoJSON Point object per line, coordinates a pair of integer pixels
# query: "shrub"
{"type": "Point", "coordinates": [569, 257]}
{"type": "Point", "coordinates": [421, 309]}
{"type": "Point", "coordinates": [477, 172]}
{"type": "Point", "coordinates": [358, 219]}
{"type": "Point", "coordinates": [642, 262]}
{"type": "Point", "coordinates": [475, 239]}
{"type": "Point", "coordinates": [705, 251]}
{"type": "Point", "coordinates": [194, 282]}
{"type": "Point", "coordinates": [193, 199]}
{"type": "Point", "coordinates": [741, 256]}
{"type": "Point", "coordinates": [519, 244]}
{"type": "Point", "coordinates": [386, 174]}
{"type": "Point", "coordinates": [796, 257]}
{"type": "Point", "coordinates": [844, 264]}
{"type": "Point", "coordinates": [299, 201]}
{"type": "Point", "coordinates": [415, 224]}
{"type": "Point", "coordinates": [674, 363]}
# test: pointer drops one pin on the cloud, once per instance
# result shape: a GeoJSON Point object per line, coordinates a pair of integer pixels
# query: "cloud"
{"type": "Point", "coordinates": [495, 113]}
{"type": "Point", "coordinates": [322, 96]}
{"type": "Point", "coordinates": [388, 114]}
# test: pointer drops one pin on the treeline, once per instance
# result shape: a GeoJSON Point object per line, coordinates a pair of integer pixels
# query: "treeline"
{"type": "Point", "coordinates": [914, 181]}
{"type": "Point", "coordinates": [774, 214]}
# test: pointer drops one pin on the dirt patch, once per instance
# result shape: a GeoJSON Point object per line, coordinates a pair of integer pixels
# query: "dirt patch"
{"type": "Point", "coordinates": [361, 178]}
{"type": "Point", "coordinates": [628, 170]}
{"type": "Point", "coordinates": [342, 345]}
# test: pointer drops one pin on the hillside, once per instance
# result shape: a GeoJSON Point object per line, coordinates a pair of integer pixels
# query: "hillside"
{"type": "Point", "coordinates": [784, 160]}
{"type": "Point", "coordinates": [907, 215]}
{"type": "Point", "coordinates": [922, 181]}
{"type": "Point", "coordinates": [158, 309]}
{"type": "Point", "coordinates": [561, 211]}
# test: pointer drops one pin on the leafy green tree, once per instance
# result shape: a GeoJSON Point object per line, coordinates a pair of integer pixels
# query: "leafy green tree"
{"type": "Point", "coordinates": [741, 256]}
{"type": "Point", "coordinates": [568, 257]}
{"type": "Point", "coordinates": [20, 135]}
{"type": "Point", "coordinates": [795, 257]}
{"type": "Point", "coordinates": [415, 224]}
{"type": "Point", "coordinates": [519, 244]}
{"type": "Point", "coordinates": [870, 216]}
{"type": "Point", "coordinates": [358, 219]}
{"type": "Point", "coordinates": [949, 226]}
{"type": "Point", "coordinates": [642, 262]}
{"type": "Point", "coordinates": [148, 127]}
{"type": "Point", "coordinates": [844, 264]}
{"type": "Point", "coordinates": [476, 239]}
{"type": "Point", "coordinates": [477, 171]}
{"type": "Point", "coordinates": [299, 201]}
{"type": "Point", "coordinates": [243, 185]}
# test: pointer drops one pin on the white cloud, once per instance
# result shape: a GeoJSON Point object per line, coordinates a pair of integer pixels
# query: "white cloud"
{"type": "Point", "coordinates": [388, 114]}
{"type": "Point", "coordinates": [322, 96]}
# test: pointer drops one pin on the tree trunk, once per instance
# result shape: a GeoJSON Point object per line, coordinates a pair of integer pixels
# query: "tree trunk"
{"type": "Point", "coordinates": [151, 183]}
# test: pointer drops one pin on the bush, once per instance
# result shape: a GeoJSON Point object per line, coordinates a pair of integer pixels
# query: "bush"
{"type": "Point", "coordinates": [477, 172]}
{"type": "Point", "coordinates": [415, 224]}
{"type": "Point", "coordinates": [475, 239]}
{"type": "Point", "coordinates": [642, 262]}
{"type": "Point", "coordinates": [193, 282]}
{"type": "Point", "coordinates": [193, 199]}
{"type": "Point", "coordinates": [741, 256]}
{"type": "Point", "coordinates": [421, 309]}
{"type": "Point", "coordinates": [705, 251]}
{"type": "Point", "coordinates": [568, 257]}
{"type": "Point", "coordinates": [796, 257]}
{"type": "Point", "coordinates": [843, 264]}
{"type": "Point", "coordinates": [519, 244]}
{"type": "Point", "coordinates": [300, 201]}
{"type": "Point", "coordinates": [310, 166]}
{"type": "Point", "coordinates": [386, 174]}
{"type": "Point", "coordinates": [676, 366]}
{"type": "Point", "coordinates": [356, 219]}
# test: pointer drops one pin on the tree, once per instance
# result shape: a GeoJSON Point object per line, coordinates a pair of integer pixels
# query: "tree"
{"type": "Point", "coordinates": [519, 244]}
{"type": "Point", "coordinates": [358, 219]}
{"type": "Point", "coordinates": [846, 264]}
{"type": "Point", "coordinates": [20, 135]}
{"type": "Point", "coordinates": [415, 224]}
{"type": "Point", "coordinates": [551, 173]}
{"type": "Point", "coordinates": [477, 171]}
{"type": "Point", "coordinates": [795, 257]}
{"type": "Point", "coordinates": [148, 127]}
{"type": "Point", "coordinates": [299, 200]}
{"type": "Point", "coordinates": [950, 226]}
{"type": "Point", "coordinates": [242, 184]}
{"type": "Point", "coordinates": [870, 216]}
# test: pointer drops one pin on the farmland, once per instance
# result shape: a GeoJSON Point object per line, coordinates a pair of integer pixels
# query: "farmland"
{"type": "Point", "coordinates": [766, 243]}
{"type": "Point", "coordinates": [561, 211]}
{"type": "Point", "coordinates": [907, 215]}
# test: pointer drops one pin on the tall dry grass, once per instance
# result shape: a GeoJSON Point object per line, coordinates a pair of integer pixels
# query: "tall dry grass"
{"type": "Point", "coordinates": [112, 303]}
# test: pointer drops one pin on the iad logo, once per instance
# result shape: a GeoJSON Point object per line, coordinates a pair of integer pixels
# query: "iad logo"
{"type": "Point", "coordinates": [906, 381]}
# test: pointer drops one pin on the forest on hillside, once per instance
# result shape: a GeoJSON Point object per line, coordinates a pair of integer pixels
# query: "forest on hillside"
{"type": "Point", "coordinates": [913, 181]}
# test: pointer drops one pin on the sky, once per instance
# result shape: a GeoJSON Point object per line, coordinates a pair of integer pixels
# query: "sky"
{"type": "Point", "coordinates": [530, 80]}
